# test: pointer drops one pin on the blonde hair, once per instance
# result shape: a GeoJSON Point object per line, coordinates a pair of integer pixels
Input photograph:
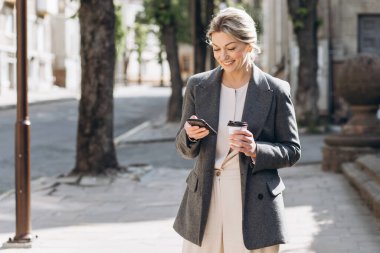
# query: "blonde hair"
{"type": "Point", "coordinates": [238, 24]}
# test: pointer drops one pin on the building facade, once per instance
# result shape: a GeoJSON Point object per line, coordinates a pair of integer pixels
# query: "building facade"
{"type": "Point", "coordinates": [53, 45]}
{"type": "Point", "coordinates": [7, 46]}
{"type": "Point", "coordinates": [66, 45]}
{"type": "Point", "coordinates": [347, 28]}
{"type": "Point", "coordinates": [40, 54]}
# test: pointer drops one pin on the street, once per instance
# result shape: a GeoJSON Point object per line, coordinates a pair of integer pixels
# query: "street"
{"type": "Point", "coordinates": [53, 130]}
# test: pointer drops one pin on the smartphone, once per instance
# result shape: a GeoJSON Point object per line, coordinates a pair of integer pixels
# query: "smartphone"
{"type": "Point", "coordinates": [201, 123]}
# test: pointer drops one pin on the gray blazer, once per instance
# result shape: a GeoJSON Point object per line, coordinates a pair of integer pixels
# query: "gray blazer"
{"type": "Point", "coordinates": [270, 115]}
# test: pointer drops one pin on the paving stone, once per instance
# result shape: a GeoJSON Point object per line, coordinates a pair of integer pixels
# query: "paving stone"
{"type": "Point", "coordinates": [95, 181]}
{"type": "Point", "coordinates": [323, 214]}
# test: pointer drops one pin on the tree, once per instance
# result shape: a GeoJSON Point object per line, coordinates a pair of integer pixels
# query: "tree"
{"type": "Point", "coordinates": [169, 15]}
{"type": "Point", "coordinates": [126, 55]}
{"type": "Point", "coordinates": [201, 12]}
{"type": "Point", "coordinates": [199, 38]}
{"type": "Point", "coordinates": [160, 60]}
{"type": "Point", "coordinates": [305, 23]}
{"type": "Point", "coordinates": [95, 151]}
{"type": "Point", "coordinates": [168, 29]}
{"type": "Point", "coordinates": [120, 31]}
{"type": "Point", "coordinates": [141, 35]}
{"type": "Point", "coordinates": [122, 51]}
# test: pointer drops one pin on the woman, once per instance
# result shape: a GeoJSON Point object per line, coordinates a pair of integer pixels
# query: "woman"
{"type": "Point", "coordinates": [233, 201]}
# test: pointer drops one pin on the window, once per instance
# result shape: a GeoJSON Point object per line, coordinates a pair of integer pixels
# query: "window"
{"type": "Point", "coordinates": [369, 36]}
{"type": "Point", "coordinates": [9, 21]}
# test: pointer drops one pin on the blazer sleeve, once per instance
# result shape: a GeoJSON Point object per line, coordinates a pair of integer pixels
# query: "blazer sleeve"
{"type": "Point", "coordinates": [286, 150]}
{"type": "Point", "coordinates": [185, 147]}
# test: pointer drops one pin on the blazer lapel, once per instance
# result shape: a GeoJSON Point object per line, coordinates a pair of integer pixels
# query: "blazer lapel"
{"type": "Point", "coordinates": [257, 103]}
{"type": "Point", "coordinates": [208, 98]}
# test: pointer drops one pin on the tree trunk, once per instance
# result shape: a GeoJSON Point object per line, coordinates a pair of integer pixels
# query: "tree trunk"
{"type": "Point", "coordinates": [95, 152]}
{"type": "Point", "coordinates": [162, 72]}
{"type": "Point", "coordinates": [161, 62]}
{"type": "Point", "coordinates": [139, 81]}
{"type": "Point", "coordinates": [199, 38]}
{"type": "Point", "coordinates": [210, 7]}
{"type": "Point", "coordinates": [171, 47]}
{"type": "Point", "coordinates": [304, 17]}
{"type": "Point", "coordinates": [125, 70]}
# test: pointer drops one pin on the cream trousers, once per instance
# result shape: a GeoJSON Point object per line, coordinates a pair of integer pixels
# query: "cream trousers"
{"type": "Point", "coordinates": [224, 232]}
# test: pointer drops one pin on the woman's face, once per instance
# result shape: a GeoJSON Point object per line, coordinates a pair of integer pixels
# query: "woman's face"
{"type": "Point", "coordinates": [229, 52]}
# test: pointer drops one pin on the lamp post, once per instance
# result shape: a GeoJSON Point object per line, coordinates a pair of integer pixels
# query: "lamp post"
{"type": "Point", "coordinates": [22, 145]}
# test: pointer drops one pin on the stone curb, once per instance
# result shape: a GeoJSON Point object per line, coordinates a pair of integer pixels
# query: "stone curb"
{"type": "Point", "coordinates": [6, 194]}
{"type": "Point", "coordinates": [147, 141]}
{"type": "Point", "coordinates": [38, 102]}
{"type": "Point", "coordinates": [118, 140]}
{"type": "Point", "coordinates": [123, 138]}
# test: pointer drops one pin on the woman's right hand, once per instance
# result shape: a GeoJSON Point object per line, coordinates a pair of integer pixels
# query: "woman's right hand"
{"type": "Point", "coordinates": [195, 132]}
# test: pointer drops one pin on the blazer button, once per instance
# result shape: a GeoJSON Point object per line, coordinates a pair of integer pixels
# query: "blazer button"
{"type": "Point", "coordinates": [217, 173]}
{"type": "Point", "coordinates": [260, 196]}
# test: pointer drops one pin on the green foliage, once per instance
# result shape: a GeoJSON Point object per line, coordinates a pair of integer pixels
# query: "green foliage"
{"type": "Point", "coordinates": [75, 15]}
{"type": "Point", "coordinates": [120, 31]}
{"type": "Point", "coordinates": [298, 24]}
{"type": "Point", "coordinates": [168, 12]}
{"type": "Point", "coordinates": [182, 16]}
{"type": "Point", "coordinates": [302, 12]}
{"type": "Point", "coordinates": [160, 56]}
{"type": "Point", "coordinates": [141, 35]}
{"type": "Point", "coordinates": [319, 22]}
{"type": "Point", "coordinates": [300, 15]}
{"type": "Point", "coordinates": [298, 20]}
{"type": "Point", "coordinates": [254, 11]}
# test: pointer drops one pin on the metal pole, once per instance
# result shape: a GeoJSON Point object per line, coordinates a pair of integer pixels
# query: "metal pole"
{"type": "Point", "coordinates": [22, 146]}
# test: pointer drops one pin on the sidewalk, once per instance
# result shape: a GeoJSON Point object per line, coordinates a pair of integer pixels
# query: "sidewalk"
{"type": "Point", "coordinates": [124, 215]}
{"type": "Point", "coordinates": [8, 99]}
{"type": "Point", "coordinates": [134, 211]}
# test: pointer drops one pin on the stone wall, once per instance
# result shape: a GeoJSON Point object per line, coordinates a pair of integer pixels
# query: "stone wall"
{"type": "Point", "coordinates": [345, 15]}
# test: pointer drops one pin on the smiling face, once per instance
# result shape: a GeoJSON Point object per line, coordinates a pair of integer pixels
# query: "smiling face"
{"type": "Point", "coordinates": [230, 53]}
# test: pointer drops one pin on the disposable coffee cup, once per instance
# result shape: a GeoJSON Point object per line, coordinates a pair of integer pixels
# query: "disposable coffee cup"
{"type": "Point", "coordinates": [236, 125]}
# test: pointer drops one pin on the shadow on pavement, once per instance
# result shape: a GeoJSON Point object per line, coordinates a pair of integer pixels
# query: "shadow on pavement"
{"type": "Point", "coordinates": [325, 213]}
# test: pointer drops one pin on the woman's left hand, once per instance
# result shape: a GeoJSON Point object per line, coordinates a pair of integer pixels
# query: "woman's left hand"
{"type": "Point", "coordinates": [243, 141]}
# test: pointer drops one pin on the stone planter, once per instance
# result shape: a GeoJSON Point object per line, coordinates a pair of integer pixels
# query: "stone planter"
{"type": "Point", "coordinates": [359, 84]}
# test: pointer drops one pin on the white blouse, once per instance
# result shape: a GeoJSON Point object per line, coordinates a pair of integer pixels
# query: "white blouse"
{"type": "Point", "coordinates": [230, 108]}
